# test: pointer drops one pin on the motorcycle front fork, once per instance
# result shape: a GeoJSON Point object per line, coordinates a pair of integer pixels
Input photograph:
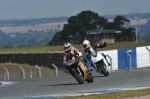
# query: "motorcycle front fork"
{"type": "Point", "coordinates": [96, 68]}
{"type": "Point", "coordinates": [79, 71]}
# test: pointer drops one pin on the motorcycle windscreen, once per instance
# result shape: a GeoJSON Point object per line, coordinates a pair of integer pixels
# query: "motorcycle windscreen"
{"type": "Point", "coordinates": [93, 52]}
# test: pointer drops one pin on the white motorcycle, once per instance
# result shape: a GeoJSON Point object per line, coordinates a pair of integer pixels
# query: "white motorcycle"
{"type": "Point", "coordinates": [99, 62]}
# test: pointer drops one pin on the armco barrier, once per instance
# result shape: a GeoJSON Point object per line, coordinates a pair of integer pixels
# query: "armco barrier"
{"type": "Point", "coordinates": [21, 58]}
{"type": "Point", "coordinates": [12, 58]}
{"type": "Point", "coordinates": [40, 59]}
{"type": "Point", "coordinates": [30, 59]}
{"type": "Point", "coordinates": [124, 59]}
{"type": "Point", "coordinates": [48, 60]}
{"type": "Point", "coordinates": [4, 58]}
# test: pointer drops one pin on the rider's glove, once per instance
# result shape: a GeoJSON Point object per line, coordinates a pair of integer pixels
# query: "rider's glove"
{"type": "Point", "coordinates": [96, 45]}
{"type": "Point", "coordinates": [105, 44]}
{"type": "Point", "coordinates": [64, 62]}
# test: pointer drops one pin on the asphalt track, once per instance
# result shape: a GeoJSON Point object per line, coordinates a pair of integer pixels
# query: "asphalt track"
{"type": "Point", "coordinates": [66, 85]}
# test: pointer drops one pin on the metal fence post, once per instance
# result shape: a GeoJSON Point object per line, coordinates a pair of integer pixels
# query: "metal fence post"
{"type": "Point", "coordinates": [39, 70]}
{"type": "Point", "coordinates": [110, 62]}
{"type": "Point", "coordinates": [129, 54]}
{"type": "Point", "coordinates": [31, 73]}
{"type": "Point", "coordinates": [149, 54]}
{"type": "Point", "coordinates": [56, 69]}
{"type": "Point", "coordinates": [7, 73]}
{"type": "Point", "coordinates": [23, 72]}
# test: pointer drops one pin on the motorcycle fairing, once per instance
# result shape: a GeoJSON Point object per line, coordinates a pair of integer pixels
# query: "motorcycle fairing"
{"type": "Point", "coordinates": [84, 69]}
{"type": "Point", "coordinates": [97, 58]}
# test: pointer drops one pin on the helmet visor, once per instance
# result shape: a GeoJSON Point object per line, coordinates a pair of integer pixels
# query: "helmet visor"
{"type": "Point", "coordinates": [66, 48]}
{"type": "Point", "coordinates": [84, 46]}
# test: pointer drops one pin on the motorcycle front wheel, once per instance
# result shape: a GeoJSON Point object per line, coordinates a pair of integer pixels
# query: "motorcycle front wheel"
{"type": "Point", "coordinates": [78, 76]}
{"type": "Point", "coordinates": [102, 67]}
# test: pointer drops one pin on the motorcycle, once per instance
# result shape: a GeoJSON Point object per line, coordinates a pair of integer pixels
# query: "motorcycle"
{"type": "Point", "coordinates": [99, 61]}
{"type": "Point", "coordinates": [79, 70]}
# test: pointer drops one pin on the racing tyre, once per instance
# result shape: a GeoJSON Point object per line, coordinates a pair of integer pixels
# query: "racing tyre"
{"type": "Point", "coordinates": [78, 77]}
{"type": "Point", "coordinates": [103, 68]}
{"type": "Point", "coordinates": [90, 78]}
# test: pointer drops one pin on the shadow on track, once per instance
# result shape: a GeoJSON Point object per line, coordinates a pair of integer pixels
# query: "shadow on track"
{"type": "Point", "coordinates": [99, 76]}
{"type": "Point", "coordinates": [65, 84]}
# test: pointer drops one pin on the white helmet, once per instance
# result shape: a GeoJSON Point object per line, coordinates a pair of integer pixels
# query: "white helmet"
{"type": "Point", "coordinates": [67, 46]}
{"type": "Point", "coordinates": [86, 44]}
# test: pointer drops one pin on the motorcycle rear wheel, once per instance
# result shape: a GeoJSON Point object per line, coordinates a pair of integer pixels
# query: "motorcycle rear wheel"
{"type": "Point", "coordinates": [90, 79]}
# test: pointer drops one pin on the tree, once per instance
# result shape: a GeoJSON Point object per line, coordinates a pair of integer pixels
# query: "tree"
{"type": "Point", "coordinates": [84, 21]}
{"type": "Point", "coordinates": [55, 38]}
{"type": "Point", "coordinates": [88, 20]}
{"type": "Point", "coordinates": [118, 23]}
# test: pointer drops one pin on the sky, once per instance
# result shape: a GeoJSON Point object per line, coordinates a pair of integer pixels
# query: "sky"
{"type": "Point", "coordinates": [26, 9]}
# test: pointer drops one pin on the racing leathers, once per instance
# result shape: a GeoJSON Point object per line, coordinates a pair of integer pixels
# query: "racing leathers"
{"type": "Point", "coordinates": [73, 52]}
{"type": "Point", "coordinates": [88, 50]}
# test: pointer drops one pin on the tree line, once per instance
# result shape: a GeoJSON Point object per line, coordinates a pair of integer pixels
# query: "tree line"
{"type": "Point", "coordinates": [30, 38]}
{"type": "Point", "coordinates": [27, 22]}
{"type": "Point", "coordinates": [88, 20]}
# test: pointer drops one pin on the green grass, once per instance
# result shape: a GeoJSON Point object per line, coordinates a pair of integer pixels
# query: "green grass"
{"type": "Point", "coordinates": [38, 49]}
{"type": "Point", "coordinates": [47, 49]}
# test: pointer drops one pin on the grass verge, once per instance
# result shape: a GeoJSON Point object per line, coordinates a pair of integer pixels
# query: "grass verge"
{"type": "Point", "coordinates": [115, 95]}
{"type": "Point", "coordinates": [47, 49]}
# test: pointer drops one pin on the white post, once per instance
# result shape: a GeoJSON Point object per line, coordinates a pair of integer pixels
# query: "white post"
{"type": "Point", "coordinates": [23, 72]}
{"type": "Point", "coordinates": [39, 70]}
{"type": "Point", "coordinates": [7, 72]}
{"type": "Point", "coordinates": [136, 32]}
{"type": "Point", "coordinates": [149, 54]}
{"type": "Point", "coordinates": [31, 73]}
{"type": "Point", "coordinates": [5, 75]}
{"type": "Point", "coordinates": [129, 54]}
{"type": "Point", "coordinates": [56, 69]}
{"type": "Point", "coordinates": [136, 18]}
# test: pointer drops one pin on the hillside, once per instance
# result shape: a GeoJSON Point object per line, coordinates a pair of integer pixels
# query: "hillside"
{"type": "Point", "coordinates": [38, 27]}
{"type": "Point", "coordinates": [54, 26]}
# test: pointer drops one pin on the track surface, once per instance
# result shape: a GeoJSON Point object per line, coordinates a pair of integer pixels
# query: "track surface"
{"type": "Point", "coordinates": [67, 84]}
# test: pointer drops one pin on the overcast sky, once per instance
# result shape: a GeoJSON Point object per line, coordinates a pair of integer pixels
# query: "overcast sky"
{"type": "Point", "coordinates": [25, 9]}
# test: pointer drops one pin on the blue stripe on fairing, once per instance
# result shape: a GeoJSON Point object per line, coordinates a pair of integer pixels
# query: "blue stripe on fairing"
{"type": "Point", "coordinates": [124, 60]}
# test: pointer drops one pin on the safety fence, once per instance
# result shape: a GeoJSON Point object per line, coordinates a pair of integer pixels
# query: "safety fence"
{"type": "Point", "coordinates": [40, 59]}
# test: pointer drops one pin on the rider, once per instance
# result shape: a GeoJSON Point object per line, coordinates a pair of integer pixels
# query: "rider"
{"type": "Point", "coordinates": [87, 45]}
{"type": "Point", "coordinates": [70, 52]}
